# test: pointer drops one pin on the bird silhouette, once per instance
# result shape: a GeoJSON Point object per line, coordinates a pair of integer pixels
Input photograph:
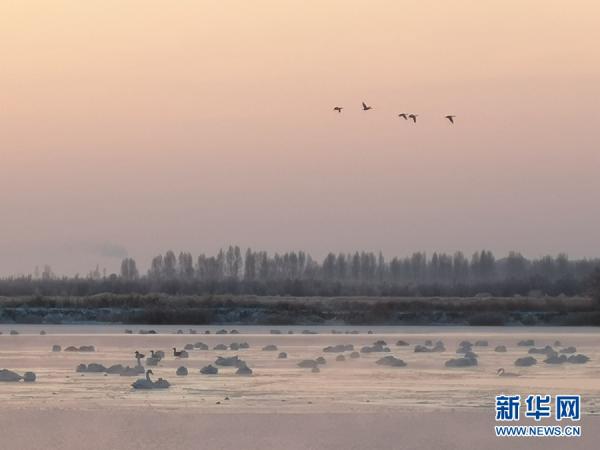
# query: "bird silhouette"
{"type": "Point", "coordinates": [403, 115]}
{"type": "Point", "coordinates": [338, 109]}
{"type": "Point", "coordinates": [365, 107]}
{"type": "Point", "coordinates": [450, 118]}
{"type": "Point", "coordinates": [413, 117]}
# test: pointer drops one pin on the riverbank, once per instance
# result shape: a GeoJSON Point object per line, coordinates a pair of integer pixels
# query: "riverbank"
{"type": "Point", "coordinates": [253, 310]}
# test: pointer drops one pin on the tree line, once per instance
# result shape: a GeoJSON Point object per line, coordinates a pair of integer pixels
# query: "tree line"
{"type": "Point", "coordinates": [359, 267]}
{"type": "Point", "coordinates": [233, 271]}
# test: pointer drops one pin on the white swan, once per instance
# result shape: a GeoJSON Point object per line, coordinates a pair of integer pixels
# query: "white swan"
{"type": "Point", "coordinates": [9, 375]}
{"type": "Point", "coordinates": [152, 360]}
{"type": "Point", "coordinates": [116, 368]}
{"type": "Point", "coordinates": [244, 370]}
{"type": "Point", "coordinates": [209, 370]}
{"type": "Point", "coordinates": [144, 383]}
{"type": "Point", "coordinates": [29, 377]}
{"type": "Point", "coordinates": [502, 373]}
{"type": "Point", "coordinates": [161, 384]}
{"type": "Point", "coordinates": [147, 383]}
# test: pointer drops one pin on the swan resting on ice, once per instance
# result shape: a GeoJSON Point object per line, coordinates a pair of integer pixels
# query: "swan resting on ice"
{"type": "Point", "coordinates": [10, 376]}
{"type": "Point", "coordinates": [209, 370]}
{"type": "Point", "coordinates": [29, 377]}
{"type": "Point", "coordinates": [502, 373]}
{"type": "Point", "coordinates": [147, 383]}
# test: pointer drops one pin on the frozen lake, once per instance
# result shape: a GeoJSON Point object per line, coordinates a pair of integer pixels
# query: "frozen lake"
{"type": "Point", "coordinates": [348, 393]}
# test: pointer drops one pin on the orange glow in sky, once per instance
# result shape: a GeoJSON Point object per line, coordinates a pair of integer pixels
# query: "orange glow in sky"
{"type": "Point", "coordinates": [189, 125]}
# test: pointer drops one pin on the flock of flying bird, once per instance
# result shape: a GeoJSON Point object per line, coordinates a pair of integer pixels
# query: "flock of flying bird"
{"type": "Point", "coordinates": [405, 116]}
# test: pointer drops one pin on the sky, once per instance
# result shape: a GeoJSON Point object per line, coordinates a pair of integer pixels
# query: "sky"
{"type": "Point", "coordinates": [128, 128]}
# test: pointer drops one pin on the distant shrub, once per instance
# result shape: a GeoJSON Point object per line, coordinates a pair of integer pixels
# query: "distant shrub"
{"type": "Point", "coordinates": [582, 319]}
{"type": "Point", "coordinates": [489, 319]}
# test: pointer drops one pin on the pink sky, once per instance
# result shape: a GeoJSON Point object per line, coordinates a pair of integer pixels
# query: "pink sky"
{"type": "Point", "coordinates": [189, 125]}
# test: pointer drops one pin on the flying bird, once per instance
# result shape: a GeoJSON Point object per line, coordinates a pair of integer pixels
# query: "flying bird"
{"type": "Point", "coordinates": [413, 117]}
{"type": "Point", "coordinates": [365, 107]}
{"type": "Point", "coordinates": [338, 109]}
{"type": "Point", "coordinates": [451, 119]}
{"type": "Point", "coordinates": [403, 115]}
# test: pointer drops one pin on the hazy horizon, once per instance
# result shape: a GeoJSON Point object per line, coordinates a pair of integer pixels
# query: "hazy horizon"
{"type": "Point", "coordinates": [130, 128]}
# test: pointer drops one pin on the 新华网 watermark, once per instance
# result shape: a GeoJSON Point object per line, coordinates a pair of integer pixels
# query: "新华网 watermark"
{"type": "Point", "coordinates": [538, 407]}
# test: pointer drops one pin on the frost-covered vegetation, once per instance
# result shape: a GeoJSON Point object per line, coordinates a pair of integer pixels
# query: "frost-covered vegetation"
{"type": "Point", "coordinates": [298, 274]}
{"type": "Point", "coordinates": [183, 309]}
